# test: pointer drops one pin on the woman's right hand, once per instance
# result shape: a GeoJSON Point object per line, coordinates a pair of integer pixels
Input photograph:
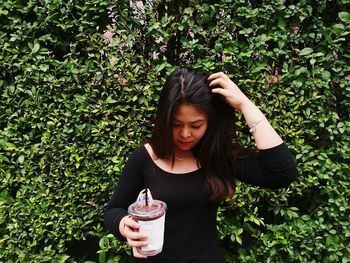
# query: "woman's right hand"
{"type": "Point", "coordinates": [129, 229]}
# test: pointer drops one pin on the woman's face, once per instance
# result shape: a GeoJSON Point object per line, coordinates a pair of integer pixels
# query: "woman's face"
{"type": "Point", "coordinates": [189, 126]}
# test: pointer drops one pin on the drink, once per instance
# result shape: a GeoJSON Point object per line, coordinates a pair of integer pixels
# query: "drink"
{"type": "Point", "coordinates": [151, 219]}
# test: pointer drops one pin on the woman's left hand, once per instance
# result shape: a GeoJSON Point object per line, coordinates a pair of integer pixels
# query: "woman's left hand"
{"type": "Point", "coordinates": [228, 90]}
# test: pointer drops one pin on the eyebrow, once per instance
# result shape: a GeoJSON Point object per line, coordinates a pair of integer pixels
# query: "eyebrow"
{"type": "Point", "coordinates": [192, 122]}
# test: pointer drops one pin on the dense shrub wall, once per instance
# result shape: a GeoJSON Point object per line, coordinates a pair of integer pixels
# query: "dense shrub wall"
{"type": "Point", "coordinates": [76, 101]}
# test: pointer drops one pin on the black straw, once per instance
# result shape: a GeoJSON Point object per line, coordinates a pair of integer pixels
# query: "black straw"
{"type": "Point", "coordinates": [146, 196]}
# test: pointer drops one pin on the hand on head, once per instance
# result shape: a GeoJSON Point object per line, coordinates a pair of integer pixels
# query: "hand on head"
{"type": "Point", "coordinates": [232, 95]}
{"type": "Point", "coordinates": [129, 229]}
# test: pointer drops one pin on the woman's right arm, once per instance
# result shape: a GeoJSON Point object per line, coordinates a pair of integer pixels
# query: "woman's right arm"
{"type": "Point", "coordinates": [128, 229]}
{"type": "Point", "coordinates": [116, 216]}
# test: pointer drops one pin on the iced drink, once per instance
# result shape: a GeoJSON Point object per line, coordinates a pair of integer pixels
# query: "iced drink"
{"type": "Point", "coordinates": [151, 219]}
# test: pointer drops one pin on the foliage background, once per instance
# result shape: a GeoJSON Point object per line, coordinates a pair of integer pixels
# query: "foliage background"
{"type": "Point", "coordinates": [79, 84]}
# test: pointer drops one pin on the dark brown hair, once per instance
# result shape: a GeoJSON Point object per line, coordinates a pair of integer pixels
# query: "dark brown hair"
{"type": "Point", "coordinates": [215, 151]}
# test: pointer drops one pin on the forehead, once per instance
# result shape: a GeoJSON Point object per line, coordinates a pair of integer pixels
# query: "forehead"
{"type": "Point", "coordinates": [188, 113]}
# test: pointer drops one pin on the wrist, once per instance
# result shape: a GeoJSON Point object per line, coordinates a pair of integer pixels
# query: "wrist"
{"type": "Point", "coordinates": [246, 106]}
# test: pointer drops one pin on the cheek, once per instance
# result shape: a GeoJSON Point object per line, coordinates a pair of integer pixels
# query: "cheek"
{"type": "Point", "coordinates": [202, 132]}
{"type": "Point", "coordinates": [175, 132]}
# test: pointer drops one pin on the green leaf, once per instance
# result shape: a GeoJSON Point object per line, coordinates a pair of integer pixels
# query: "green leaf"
{"type": "Point", "coordinates": [339, 26]}
{"type": "Point", "coordinates": [64, 258]}
{"type": "Point", "coordinates": [313, 61]}
{"type": "Point", "coordinates": [21, 159]}
{"type": "Point", "coordinates": [36, 47]}
{"type": "Point", "coordinates": [188, 11]}
{"type": "Point", "coordinates": [102, 257]}
{"type": "Point", "coordinates": [3, 12]}
{"type": "Point", "coordinates": [10, 146]}
{"type": "Point", "coordinates": [326, 75]}
{"type": "Point", "coordinates": [306, 51]}
{"type": "Point", "coordinates": [344, 16]}
{"type": "Point", "coordinates": [281, 43]}
{"type": "Point", "coordinates": [239, 240]}
{"type": "Point", "coordinates": [282, 24]}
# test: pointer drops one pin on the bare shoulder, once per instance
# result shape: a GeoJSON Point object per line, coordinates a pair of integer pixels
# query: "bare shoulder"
{"type": "Point", "coordinates": [151, 152]}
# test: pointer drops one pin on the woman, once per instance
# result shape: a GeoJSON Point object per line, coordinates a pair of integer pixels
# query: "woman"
{"type": "Point", "coordinates": [191, 163]}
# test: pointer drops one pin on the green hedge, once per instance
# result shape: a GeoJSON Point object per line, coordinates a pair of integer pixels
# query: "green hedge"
{"type": "Point", "coordinates": [74, 105]}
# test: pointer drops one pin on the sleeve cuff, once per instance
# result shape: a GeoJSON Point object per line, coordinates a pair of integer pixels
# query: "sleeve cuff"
{"type": "Point", "coordinates": [112, 219]}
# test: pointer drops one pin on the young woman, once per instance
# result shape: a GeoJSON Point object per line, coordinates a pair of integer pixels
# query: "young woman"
{"type": "Point", "coordinates": [191, 163]}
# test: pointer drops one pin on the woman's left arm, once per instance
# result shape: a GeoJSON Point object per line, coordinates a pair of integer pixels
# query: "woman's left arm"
{"type": "Point", "coordinates": [274, 165]}
{"type": "Point", "coordinates": [264, 134]}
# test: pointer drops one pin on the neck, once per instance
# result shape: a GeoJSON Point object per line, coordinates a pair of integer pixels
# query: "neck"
{"type": "Point", "coordinates": [181, 155]}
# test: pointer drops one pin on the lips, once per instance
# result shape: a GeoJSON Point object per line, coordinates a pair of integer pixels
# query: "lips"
{"type": "Point", "coordinates": [185, 144]}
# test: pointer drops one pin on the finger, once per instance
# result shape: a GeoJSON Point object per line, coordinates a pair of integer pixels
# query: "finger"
{"type": "Point", "coordinates": [137, 243]}
{"type": "Point", "coordinates": [218, 82]}
{"type": "Point", "coordinates": [128, 225]}
{"type": "Point", "coordinates": [222, 92]}
{"type": "Point", "coordinates": [134, 235]}
{"type": "Point", "coordinates": [137, 254]}
{"type": "Point", "coordinates": [128, 221]}
{"type": "Point", "coordinates": [218, 75]}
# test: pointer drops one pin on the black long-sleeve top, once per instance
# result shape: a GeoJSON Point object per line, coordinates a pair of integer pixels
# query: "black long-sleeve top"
{"type": "Point", "coordinates": [190, 226]}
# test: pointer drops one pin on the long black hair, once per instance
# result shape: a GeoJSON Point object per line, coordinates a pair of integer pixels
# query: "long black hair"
{"type": "Point", "coordinates": [215, 152]}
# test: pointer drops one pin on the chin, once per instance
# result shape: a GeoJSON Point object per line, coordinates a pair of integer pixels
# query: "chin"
{"type": "Point", "coordinates": [185, 147]}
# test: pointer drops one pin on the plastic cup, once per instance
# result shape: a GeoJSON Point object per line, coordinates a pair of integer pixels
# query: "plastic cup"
{"type": "Point", "coordinates": [151, 219]}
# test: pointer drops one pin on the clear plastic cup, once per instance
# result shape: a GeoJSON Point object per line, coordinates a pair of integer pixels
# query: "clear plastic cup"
{"type": "Point", "coordinates": [151, 219]}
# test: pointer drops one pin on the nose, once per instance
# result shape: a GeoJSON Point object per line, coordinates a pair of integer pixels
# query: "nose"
{"type": "Point", "coordinates": [185, 133]}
